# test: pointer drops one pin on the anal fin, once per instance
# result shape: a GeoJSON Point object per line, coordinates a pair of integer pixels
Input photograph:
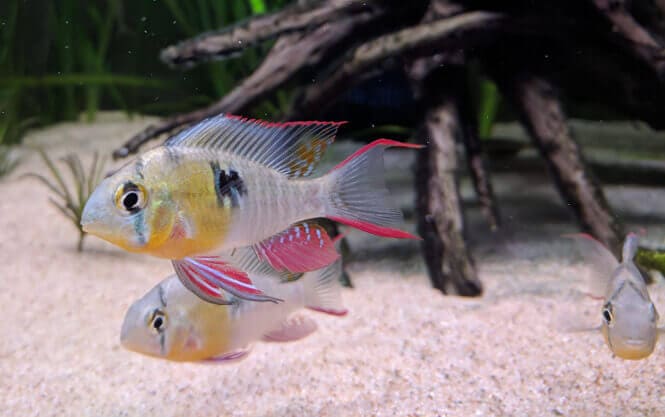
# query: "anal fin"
{"type": "Point", "coordinates": [302, 247]}
{"type": "Point", "coordinates": [233, 356]}
{"type": "Point", "coordinates": [294, 328]}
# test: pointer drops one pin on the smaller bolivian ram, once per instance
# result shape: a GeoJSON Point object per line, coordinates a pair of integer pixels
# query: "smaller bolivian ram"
{"type": "Point", "coordinates": [228, 183]}
{"type": "Point", "coordinates": [629, 317]}
{"type": "Point", "coordinates": [170, 322]}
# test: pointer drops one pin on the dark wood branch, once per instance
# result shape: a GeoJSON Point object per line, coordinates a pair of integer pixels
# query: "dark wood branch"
{"type": "Point", "coordinates": [541, 111]}
{"type": "Point", "coordinates": [229, 41]}
{"type": "Point", "coordinates": [637, 38]}
{"type": "Point", "coordinates": [438, 202]}
{"type": "Point", "coordinates": [480, 175]}
{"type": "Point", "coordinates": [290, 55]}
{"type": "Point", "coordinates": [419, 72]}
{"type": "Point", "coordinates": [422, 39]}
{"type": "Point", "coordinates": [440, 217]}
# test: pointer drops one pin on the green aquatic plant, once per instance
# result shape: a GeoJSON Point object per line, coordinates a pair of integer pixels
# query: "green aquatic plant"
{"type": "Point", "coordinates": [7, 160]}
{"type": "Point", "coordinates": [652, 259]}
{"type": "Point", "coordinates": [69, 200]}
{"type": "Point", "coordinates": [488, 107]}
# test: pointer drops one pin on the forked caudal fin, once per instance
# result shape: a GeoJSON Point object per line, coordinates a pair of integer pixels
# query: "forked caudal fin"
{"type": "Point", "coordinates": [359, 197]}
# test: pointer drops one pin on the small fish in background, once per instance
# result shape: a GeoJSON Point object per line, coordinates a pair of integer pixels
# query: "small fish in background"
{"type": "Point", "coordinates": [170, 322]}
{"type": "Point", "coordinates": [229, 182]}
{"type": "Point", "coordinates": [629, 317]}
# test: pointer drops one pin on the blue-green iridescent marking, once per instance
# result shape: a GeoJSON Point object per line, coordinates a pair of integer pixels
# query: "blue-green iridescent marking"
{"type": "Point", "coordinates": [139, 227]}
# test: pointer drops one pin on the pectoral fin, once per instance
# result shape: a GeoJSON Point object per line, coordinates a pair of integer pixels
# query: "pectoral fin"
{"type": "Point", "coordinates": [211, 279]}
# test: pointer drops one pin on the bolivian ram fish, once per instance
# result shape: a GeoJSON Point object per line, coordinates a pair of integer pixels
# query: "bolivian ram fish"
{"type": "Point", "coordinates": [229, 182]}
{"type": "Point", "coordinates": [170, 322]}
{"type": "Point", "coordinates": [629, 317]}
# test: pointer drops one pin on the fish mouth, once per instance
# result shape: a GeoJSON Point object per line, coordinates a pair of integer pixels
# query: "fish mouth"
{"type": "Point", "coordinates": [634, 342]}
{"type": "Point", "coordinates": [633, 349]}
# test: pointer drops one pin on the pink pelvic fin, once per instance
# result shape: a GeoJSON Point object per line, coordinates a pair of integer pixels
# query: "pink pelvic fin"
{"type": "Point", "coordinates": [294, 328]}
{"type": "Point", "coordinates": [376, 230]}
{"type": "Point", "coordinates": [301, 248]}
{"type": "Point", "coordinates": [210, 278]}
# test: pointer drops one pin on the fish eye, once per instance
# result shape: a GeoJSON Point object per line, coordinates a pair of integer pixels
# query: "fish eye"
{"type": "Point", "coordinates": [130, 197]}
{"type": "Point", "coordinates": [608, 315]}
{"type": "Point", "coordinates": [158, 321]}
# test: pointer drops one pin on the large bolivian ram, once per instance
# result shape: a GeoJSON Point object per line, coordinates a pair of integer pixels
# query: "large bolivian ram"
{"type": "Point", "coordinates": [228, 183]}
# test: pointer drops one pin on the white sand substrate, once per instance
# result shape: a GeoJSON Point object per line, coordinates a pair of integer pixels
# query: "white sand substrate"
{"type": "Point", "coordinates": [404, 349]}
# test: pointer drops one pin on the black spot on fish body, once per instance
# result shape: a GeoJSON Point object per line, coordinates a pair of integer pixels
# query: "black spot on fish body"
{"type": "Point", "coordinates": [227, 185]}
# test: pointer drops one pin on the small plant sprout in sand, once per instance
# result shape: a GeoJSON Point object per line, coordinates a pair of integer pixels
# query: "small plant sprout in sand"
{"type": "Point", "coordinates": [70, 199]}
{"type": "Point", "coordinates": [7, 160]}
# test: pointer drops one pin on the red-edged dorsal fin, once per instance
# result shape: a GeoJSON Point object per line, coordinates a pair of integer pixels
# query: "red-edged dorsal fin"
{"type": "Point", "coordinates": [210, 278]}
{"type": "Point", "coordinates": [302, 247]}
{"type": "Point", "coordinates": [292, 148]}
{"type": "Point", "coordinates": [294, 328]}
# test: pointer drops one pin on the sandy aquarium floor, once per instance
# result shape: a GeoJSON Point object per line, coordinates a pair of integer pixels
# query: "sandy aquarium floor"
{"type": "Point", "coordinates": [403, 350]}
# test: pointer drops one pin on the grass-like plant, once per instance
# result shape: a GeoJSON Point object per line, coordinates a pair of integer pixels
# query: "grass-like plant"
{"type": "Point", "coordinates": [70, 200]}
{"type": "Point", "coordinates": [7, 161]}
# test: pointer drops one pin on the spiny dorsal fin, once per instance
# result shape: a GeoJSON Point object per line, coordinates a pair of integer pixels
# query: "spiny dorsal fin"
{"type": "Point", "coordinates": [292, 148]}
{"type": "Point", "coordinates": [630, 247]}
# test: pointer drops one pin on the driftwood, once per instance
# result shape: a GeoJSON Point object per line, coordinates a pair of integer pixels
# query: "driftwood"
{"type": "Point", "coordinates": [541, 111]}
{"type": "Point", "coordinates": [440, 219]}
{"type": "Point", "coordinates": [362, 61]}
{"type": "Point", "coordinates": [228, 41]}
{"type": "Point", "coordinates": [438, 203]}
{"type": "Point", "coordinates": [419, 72]}
{"type": "Point", "coordinates": [290, 55]}
{"type": "Point", "coordinates": [608, 51]}
{"type": "Point", "coordinates": [633, 35]}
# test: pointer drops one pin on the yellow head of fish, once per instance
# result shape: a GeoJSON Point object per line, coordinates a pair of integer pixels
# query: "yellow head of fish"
{"type": "Point", "coordinates": [630, 318]}
{"type": "Point", "coordinates": [127, 209]}
{"type": "Point", "coordinates": [163, 204]}
{"type": "Point", "coordinates": [170, 322]}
